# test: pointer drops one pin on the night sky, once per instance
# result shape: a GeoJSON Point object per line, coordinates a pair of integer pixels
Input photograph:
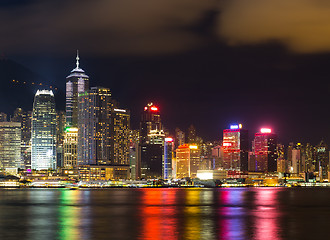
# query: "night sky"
{"type": "Point", "coordinates": [204, 62]}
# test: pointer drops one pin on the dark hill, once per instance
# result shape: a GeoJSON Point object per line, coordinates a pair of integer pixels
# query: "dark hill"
{"type": "Point", "coordinates": [16, 88]}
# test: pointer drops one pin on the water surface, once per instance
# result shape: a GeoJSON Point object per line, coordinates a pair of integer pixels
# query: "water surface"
{"type": "Point", "coordinates": [235, 213]}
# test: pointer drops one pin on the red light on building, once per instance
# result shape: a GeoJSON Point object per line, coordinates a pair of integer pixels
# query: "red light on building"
{"type": "Point", "coordinates": [145, 108]}
{"type": "Point", "coordinates": [154, 108]}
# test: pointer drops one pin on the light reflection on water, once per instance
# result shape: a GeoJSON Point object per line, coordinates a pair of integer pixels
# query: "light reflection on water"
{"type": "Point", "coordinates": [231, 214]}
{"type": "Point", "coordinates": [267, 214]}
{"type": "Point", "coordinates": [237, 213]}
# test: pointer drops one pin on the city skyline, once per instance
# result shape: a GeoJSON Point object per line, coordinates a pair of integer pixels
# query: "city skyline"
{"type": "Point", "coordinates": [167, 119]}
{"type": "Point", "coordinates": [207, 66]}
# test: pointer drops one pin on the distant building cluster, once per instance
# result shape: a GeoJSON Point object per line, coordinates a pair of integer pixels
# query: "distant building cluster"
{"type": "Point", "coordinates": [93, 140]}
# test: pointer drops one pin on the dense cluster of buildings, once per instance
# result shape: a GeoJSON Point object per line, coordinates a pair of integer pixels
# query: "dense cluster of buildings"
{"type": "Point", "coordinates": [93, 140]}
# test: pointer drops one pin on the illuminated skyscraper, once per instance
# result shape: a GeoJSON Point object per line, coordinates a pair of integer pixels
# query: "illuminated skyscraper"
{"type": "Point", "coordinates": [25, 119]}
{"type": "Point", "coordinates": [322, 160]}
{"type": "Point", "coordinates": [94, 127]}
{"type": "Point", "coordinates": [43, 155]}
{"type": "Point", "coordinates": [10, 145]}
{"type": "Point", "coordinates": [295, 163]}
{"type": "Point", "coordinates": [187, 161]}
{"type": "Point", "coordinates": [235, 148]}
{"type": "Point", "coordinates": [282, 165]}
{"type": "Point", "coordinates": [167, 159]}
{"type": "Point", "coordinates": [310, 156]}
{"type": "Point", "coordinates": [150, 120]}
{"type": "Point", "coordinates": [264, 147]}
{"type": "Point", "coordinates": [134, 154]}
{"type": "Point", "coordinates": [121, 136]}
{"type": "Point", "coordinates": [70, 147]}
{"type": "Point", "coordinates": [77, 82]}
{"type": "Point", "coordinates": [151, 147]}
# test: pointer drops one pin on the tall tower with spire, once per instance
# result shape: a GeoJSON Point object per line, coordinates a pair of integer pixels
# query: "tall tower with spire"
{"type": "Point", "coordinates": [77, 82]}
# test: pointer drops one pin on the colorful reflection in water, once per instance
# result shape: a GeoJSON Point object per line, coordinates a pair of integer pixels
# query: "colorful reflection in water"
{"type": "Point", "coordinates": [231, 224]}
{"type": "Point", "coordinates": [154, 214]}
{"type": "Point", "coordinates": [69, 215]}
{"type": "Point", "coordinates": [177, 214]}
{"type": "Point", "coordinates": [192, 213]}
{"type": "Point", "coordinates": [158, 214]}
{"type": "Point", "coordinates": [266, 214]}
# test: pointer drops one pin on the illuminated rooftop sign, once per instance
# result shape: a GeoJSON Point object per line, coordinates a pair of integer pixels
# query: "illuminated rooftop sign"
{"type": "Point", "coordinates": [226, 144]}
{"type": "Point", "coordinates": [154, 108]}
{"type": "Point", "coordinates": [119, 110]}
{"type": "Point", "coordinates": [236, 126]}
{"type": "Point", "coordinates": [265, 130]}
{"type": "Point", "coordinates": [169, 139]}
{"type": "Point", "coordinates": [71, 129]}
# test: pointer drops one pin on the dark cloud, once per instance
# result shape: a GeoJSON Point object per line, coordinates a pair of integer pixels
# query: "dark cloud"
{"type": "Point", "coordinates": [302, 25]}
{"type": "Point", "coordinates": [103, 26]}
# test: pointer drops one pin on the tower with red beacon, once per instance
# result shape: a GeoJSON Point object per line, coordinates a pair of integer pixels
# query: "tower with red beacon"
{"type": "Point", "coordinates": [264, 148]}
{"type": "Point", "coordinates": [150, 120]}
{"type": "Point", "coordinates": [151, 143]}
{"type": "Point", "coordinates": [235, 148]}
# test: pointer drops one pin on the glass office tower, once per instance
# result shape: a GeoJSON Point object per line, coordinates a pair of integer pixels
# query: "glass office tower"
{"type": "Point", "coordinates": [43, 155]}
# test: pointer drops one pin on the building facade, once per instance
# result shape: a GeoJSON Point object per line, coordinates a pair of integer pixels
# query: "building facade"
{"type": "Point", "coordinates": [70, 147]}
{"type": "Point", "coordinates": [121, 136]}
{"type": "Point", "coordinates": [264, 148]}
{"type": "Point", "coordinates": [151, 154]}
{"type": "Point", "coordinates": [25, 118]}
{"type": "Point", "coordinates": [168, 156]}
{"type": "Point", "coordinates": [43, 154]}
{"type": "Point", "coordinates": [187, 161]}
{"type": "Point", "coordinates": [94, 127]}
{"type": "Point", "coordinates": [10, 145]}
{"type": "Point", "coordinates": [235, 148]}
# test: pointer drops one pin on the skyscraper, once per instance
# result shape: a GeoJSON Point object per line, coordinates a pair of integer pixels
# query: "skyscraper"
{"type": "Point", "coordinates": [150, 120]}
{"type": "Point", "coordinates": [77, 82]}
{"type": "Point", "coordinates": [187, 161]}
{"type": "Point", "coordinates": [121, 136]}
{"type": "Point", "coordinates": [60, 126]}
{"type": "Point", "coordinates": [151, 147]}
{"type": "Point", "coordinates": [235, 148]}
{"type": "Point", "coordinates": [264, 147]}
{"type": "Point", "coordinates": [167, 160]}
{"type": "Point", "coordinates": [94, 127]}
{"type": "Point", "coordinates": [152, 155]}
{"type": "Point", "coordinates": [25, 118]}
{"type": "Point", "coordinates": [70, 147]}
{"type": "Point", "coordinates": [134, 154]}
{"type": "Point", "coordinates": [10, 145]}
{"type": "Point", "coordinates": [322, 160]}
{"type": "Point", "coordinates": [43, 136]}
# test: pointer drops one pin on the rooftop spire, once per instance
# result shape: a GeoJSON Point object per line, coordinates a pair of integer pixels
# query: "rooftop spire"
{"type": "Point", "coordinates": [77, 58]}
